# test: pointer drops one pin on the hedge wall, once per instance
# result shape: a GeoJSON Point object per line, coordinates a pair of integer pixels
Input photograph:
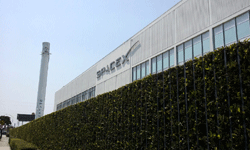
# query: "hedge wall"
{"type": "Point", "coordinates": [19, 144]}
{"type": "Point", "coordinates": [203, 104]}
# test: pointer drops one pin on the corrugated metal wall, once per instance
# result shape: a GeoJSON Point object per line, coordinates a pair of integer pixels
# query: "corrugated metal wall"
{"type": "Point", "coordinates": [110, 84]}
{"type": "Point", "coordinates": [191, 17]}
{"type": "Point", "coordinates": [123, 79]}
{"type": "Point", "coordinates": [100, 88]}
{"type": "Point", "coordinates": [114, 82]}
{"type": "Point", "coordinates": [144, 50]}
{"type": "Point", "coordinates": [221, 9]}
{"type": "Point", "coordinates": [170, 25]}
{"type": "Point", "coordinates": [158, 30]}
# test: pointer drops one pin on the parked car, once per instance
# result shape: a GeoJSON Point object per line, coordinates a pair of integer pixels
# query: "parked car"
{"type": "Point", "coordinates": [4, 132]}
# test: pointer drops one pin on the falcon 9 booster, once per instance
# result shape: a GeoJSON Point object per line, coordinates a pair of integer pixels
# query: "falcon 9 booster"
{"type": "Point", "coordinates": [42, 80]}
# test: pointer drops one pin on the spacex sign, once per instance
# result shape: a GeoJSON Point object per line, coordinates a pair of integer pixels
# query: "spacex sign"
{"type": "Point", "coordinates": [117, 62]}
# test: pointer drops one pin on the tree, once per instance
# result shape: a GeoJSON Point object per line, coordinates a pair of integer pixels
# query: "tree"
{"type": "Point", "coordinates": [5, 120]}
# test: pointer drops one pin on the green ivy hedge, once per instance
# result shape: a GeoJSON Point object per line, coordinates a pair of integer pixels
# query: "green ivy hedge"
{"type": "Point", "coordinates": [203, 104]}
{"type": "Point", "coordinates": [19, 144]}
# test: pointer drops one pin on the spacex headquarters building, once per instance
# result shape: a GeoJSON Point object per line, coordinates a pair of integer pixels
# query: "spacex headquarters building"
{"type": "Point", "coordinates": [189, 29]}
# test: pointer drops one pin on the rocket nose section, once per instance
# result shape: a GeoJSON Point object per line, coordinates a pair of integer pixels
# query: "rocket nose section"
{"type": "Point", "coordinates": [46, 47]}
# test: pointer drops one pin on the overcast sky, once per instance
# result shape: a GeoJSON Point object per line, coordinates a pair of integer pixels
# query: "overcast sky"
{"type": "Point", "coordinates": [80, 33]}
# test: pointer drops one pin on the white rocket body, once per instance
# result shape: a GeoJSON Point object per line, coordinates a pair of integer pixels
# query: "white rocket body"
{"type": "Point", "coordinates": [42, 80]}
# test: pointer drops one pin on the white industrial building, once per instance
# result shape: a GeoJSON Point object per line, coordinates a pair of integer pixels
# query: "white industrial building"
{"type": "Point", "coordinates": [191, 27]}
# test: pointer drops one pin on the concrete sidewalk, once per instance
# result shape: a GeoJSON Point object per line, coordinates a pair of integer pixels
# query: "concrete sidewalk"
{"type": "Point", "coordinates": [4, 145]}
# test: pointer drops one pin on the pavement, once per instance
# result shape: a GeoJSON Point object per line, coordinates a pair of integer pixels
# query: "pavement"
{"type": "Point", "coordinates": [4, 145]}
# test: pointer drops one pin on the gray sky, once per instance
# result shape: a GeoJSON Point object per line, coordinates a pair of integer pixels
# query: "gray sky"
{"type": "Point", "coordinates": [80, 32]}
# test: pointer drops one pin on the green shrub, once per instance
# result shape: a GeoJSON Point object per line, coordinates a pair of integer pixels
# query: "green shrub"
{"type": "Point", "coordinates": [198, 105]}
{"type": "Point", "coordinates": [19, 144]}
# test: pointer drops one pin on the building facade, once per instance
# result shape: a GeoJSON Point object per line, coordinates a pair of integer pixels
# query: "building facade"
{"type": "Point", "coordinates": [190, 29]}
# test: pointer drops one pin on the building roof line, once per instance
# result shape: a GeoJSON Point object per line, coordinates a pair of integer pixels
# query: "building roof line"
{"type": "Point", "coordinates": [143, 29]}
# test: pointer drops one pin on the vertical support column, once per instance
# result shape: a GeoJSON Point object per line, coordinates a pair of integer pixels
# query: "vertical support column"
{"type": "Point", "coordinates": [241, 96]}
{"type": "Point", "coordinates": [215, 88]}
{"type": "Point", "coordinates": [141, 114]}
{"type": "Point", "coordinates": [164, 104]}
{"type": "Point", "coordinates": [186, 101]}
{"type": "Point", "coordinates": [205, 97]}
{"type": "Point", "coordinates": [228, 97]}
{"type": "Point", "coordinates": [177, 68]}
{"type": "Point", "coordinates": [197, 137]}
{"type": "Point", "coordinates": [146, 118]}
{"type": "Point", "coordinates": [169, 82]}
{"type": "Point", "coordinates": [158, 134]}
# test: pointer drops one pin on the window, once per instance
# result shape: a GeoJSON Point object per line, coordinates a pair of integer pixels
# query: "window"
{"type": "Point", "coordinates": [205, 42]}
{"type": "Point", "coordinates": [165, 60]}
{"type": "Point", "coordinates": [89, 93]}
{"type": "Point", "coordinates": [156, 64]}
{"type": "Point", "coordinates": [68, 102]}
{"type": "Point", "coordinates": [180, 54]}
{"type": "Point", "coordinates": [147, 68]}
{"type": "Point", "coordinates": [226, 34]}
{"type": "Point", "coordinates": [188, 51]}
{"type": "Point", "coordinates": [84, 96]}
{"type": "Point", "coordinates": [134, 74]}
{"type": "Point", "coordinates": [197, 46]}
{"type": "Point", "coordinates": [192, 48]}
{"type": "Point", "coordinates": [153, 66]}
{"type": "Point", "coordinates": [230, 32]}
{"type": "Point", "coordinates": [159, 63]}
{"type": "Point", "coordinates": [93, 91]}
{"type": "Point", "coordinates": [162, 61]}
{"type": "Point", "coordinates": [74, 100]}
{"type": "Point", "coordinates": [243, 29]}
{"type": "Point", "coordinates": [171, 57]}
{"type": "Point", "coordinates": [218, 37]}
{"type": "Point", "coordinates": [78, 98]}
{"type": "Point", "coordinates": [138, 72]}
{"type": "Point", "coordinates": [143, 70]}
